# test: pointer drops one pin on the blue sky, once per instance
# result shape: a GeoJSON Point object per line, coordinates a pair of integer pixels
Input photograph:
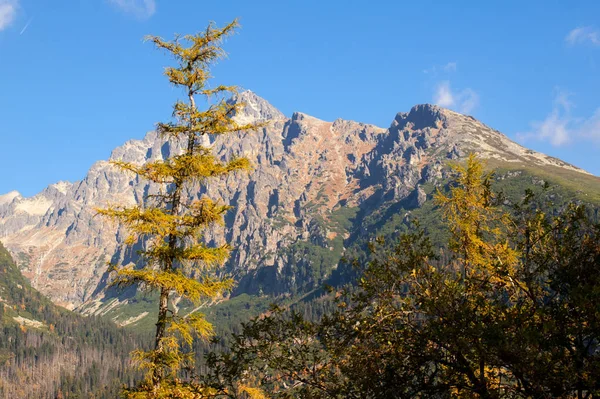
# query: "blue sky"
{"type": "Point", "coordinates": [77, 80]}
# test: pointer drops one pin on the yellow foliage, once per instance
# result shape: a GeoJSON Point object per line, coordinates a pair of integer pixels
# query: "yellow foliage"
{"type": "Point", "coordinates": [174, 259]}
{"type": "Point", "coordinates": [253, 393]}
{"type": "Point", "coordinates": [478, 227]}
{"type": "Point", "coordinates": [173, 280]}
{"type": "Point", "coordinates": [194, 323]}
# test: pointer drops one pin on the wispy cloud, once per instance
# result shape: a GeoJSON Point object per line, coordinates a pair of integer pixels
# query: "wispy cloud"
{"type": "Point", "coordinates": [26, 26]}
{"type": "Point", "coordinates": [443, 95]}
{"type": "Point", "coordinates": [449, 67]}
{"type": "Point", "coordinates": [583, 34]}
{"type": "Point", "coordinates": [560, 127]}
{"type": "Point", "coordinates": [8, 12]}
{"type": "Point", "coordinates": [140, 8]}
{"type": "Point", "coordinates": [554, 129]}
{"type": "Point", "coordinates": [463, 101]}
{"type": "Point", "coordinates": [590, 128]}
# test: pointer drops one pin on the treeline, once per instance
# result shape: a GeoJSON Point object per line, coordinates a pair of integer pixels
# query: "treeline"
{"type": "Point", "coordinates": [49, 352]}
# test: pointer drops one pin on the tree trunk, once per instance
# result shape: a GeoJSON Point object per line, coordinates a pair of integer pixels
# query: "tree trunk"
{"type": "Point", "coordinates": [163, 305]}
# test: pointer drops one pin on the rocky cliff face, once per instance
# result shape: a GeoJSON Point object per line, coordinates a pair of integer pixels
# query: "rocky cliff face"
{"type": "Point", "coordinates": [292, 213]}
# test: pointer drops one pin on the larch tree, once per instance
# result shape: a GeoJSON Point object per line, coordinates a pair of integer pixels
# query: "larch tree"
{"type": "Point", "coordinates": [175, 261]}
{"type": "Point", "coordinates": [477, 225]}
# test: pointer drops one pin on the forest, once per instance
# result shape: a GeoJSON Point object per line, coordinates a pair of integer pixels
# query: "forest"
{"type": "Point", "coordinates": [60, 354]}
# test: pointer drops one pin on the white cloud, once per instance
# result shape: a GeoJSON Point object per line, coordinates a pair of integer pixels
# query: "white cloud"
{"type": "Point", "coordinates": [560, 127]}
{"type": "Point", "coordinates": [583, 34]}
{"type": "Point", "coordinates": [463, 101]}
{"type": "Point", "coordinates": [443, 95]}
{"type": "Point", "coordinates": [555, 129]}
{"type": "Point", "coordinates": [8, 12]}
{"type": "Point", "coordinates": [139, 8]}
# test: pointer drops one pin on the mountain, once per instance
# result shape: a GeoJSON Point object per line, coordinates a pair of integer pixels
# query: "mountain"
{"type": "Point", "coordinates": [317, 189]}
{"type": "Point", "coordinates": [47, 351]}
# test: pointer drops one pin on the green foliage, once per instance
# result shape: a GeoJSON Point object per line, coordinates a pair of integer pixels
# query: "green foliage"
{"type": "Point", "coordinates": [510, 310]}
{"type": "Point", "coordinates": [313, 263]}
{"type": "Point", "coordinates": [175, 259]}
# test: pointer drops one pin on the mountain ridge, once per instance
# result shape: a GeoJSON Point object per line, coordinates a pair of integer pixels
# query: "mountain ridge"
{"type": "Point", "coordinates": [307, 172]}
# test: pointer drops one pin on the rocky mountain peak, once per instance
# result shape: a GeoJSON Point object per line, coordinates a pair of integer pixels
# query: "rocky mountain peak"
{"type": "Point", "coordinates": [62, 186]}
{"type": "Point", "coordinates": [256, 109]}
{"type": "Point", "coordinates": [450, 134]}
{"type": "Point", "coordinates": [9, 197]}
{"type": "Point", "coordinates": [421, 116]}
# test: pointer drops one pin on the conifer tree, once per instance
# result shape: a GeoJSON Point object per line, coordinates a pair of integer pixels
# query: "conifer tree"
{"type": "Point", "coordinates": [175, 261]}
{"type": "Point", "coordinates": [477, 225]}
